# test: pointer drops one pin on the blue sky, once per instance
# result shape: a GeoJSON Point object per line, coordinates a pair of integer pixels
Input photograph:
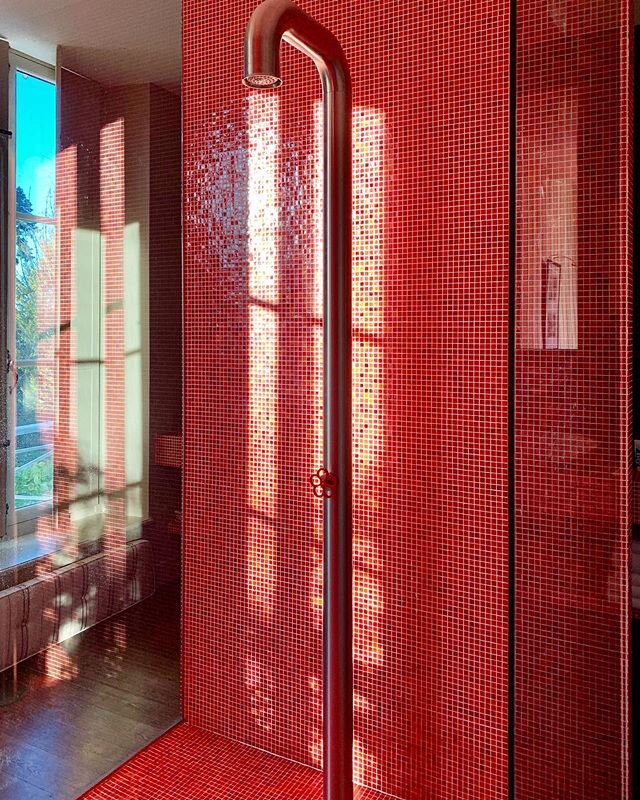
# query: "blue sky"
{"type": "Point", "coordinates": [36, 141]}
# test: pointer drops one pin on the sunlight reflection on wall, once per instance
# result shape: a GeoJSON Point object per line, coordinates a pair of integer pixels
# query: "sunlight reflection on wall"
{"type": "Point", "coordinates": [315, 588]}
{"type": "Point", "coordinates": [112, 226]}
{"type": "Point", "coordinates": [263, 387]}
{"type": "Point", "coordinates": [368, 321]}
{"type": "Point", "coordinates": [64, 432]}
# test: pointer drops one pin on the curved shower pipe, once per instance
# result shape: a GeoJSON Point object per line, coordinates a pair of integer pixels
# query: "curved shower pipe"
{"type": "Point", "coordinates": [271, 22]}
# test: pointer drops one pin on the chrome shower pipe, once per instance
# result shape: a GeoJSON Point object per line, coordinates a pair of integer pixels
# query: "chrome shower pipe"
{"type": "Point", "coordinates": [271, 22]}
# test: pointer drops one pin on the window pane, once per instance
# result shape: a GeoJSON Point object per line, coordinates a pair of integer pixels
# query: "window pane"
{"type": "Point", "coordinates": [34, 434]}
{"type": "Point", "coordinates": [35, 320]}
{"type": "Point", "coordinates": [35, 290]}
{"type": "Point", "coordinates": [35, 145]}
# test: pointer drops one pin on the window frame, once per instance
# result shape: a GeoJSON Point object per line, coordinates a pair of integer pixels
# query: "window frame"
{"type": "Point", "coordinates": [19, 520]}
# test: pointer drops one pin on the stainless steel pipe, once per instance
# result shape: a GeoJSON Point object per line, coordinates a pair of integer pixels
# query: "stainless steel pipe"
{"type": "Point", "coordinates": [271, 22]}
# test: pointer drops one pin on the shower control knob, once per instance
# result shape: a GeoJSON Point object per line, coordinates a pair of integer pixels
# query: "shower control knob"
{"type": "Point", "coordinates": [323, 482]}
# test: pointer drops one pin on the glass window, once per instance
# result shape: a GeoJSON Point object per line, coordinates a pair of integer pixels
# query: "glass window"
{"type": "Point", "coordinates": [33, 360]}
{"type": "Point", "coordinates": [35, 145]}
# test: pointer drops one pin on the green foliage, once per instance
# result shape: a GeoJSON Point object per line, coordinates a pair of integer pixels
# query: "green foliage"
{"type": "Point", "coordinates": [28, 268]}
{"type": "Point", "coordinates": [34, 481]}
{"type": "Point", "coordinates": [34, 264]}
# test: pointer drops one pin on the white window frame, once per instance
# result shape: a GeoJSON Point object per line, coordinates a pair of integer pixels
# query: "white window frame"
{"type": "Point", "coordinates": [20, 521]}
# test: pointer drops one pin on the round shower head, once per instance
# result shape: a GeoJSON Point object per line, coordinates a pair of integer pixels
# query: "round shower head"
{"type": "Point", "coordinates": [258, 81]}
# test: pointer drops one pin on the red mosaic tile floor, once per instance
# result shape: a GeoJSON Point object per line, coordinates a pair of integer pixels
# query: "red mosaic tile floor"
{"type": "Point", "coordinates": [190, 763]}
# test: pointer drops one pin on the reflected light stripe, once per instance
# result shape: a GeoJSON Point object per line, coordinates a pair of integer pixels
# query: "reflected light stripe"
{"type": "Point", "coordinates": [317, 449]}
{"type": "Point", "coordinates": [263, 349]}
{"type": "Point", "coordinates": [368, 254]}
{"type": "Point", "coordinates": [368, 431]}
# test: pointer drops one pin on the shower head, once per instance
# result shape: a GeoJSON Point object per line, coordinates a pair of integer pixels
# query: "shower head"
{"type": "Point", "coordinates": [261, 81]}
{"type": "Point", "coordinates": [262, 45]}
{"type": "Point", "coordinates": [275, 20]}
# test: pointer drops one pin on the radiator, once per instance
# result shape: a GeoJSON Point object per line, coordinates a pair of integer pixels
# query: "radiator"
{"type": "Point", "coordinates": [53, 607]}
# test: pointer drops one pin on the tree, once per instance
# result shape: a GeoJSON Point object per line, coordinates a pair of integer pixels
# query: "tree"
{"type": "Point", "coordinates": [28, 264]}
{"type": "Point", "coordinates": [35, 264]}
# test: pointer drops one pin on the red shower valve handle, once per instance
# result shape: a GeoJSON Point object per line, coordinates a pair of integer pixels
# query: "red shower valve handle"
{"type": "Point", "coordinates": [323, 482]}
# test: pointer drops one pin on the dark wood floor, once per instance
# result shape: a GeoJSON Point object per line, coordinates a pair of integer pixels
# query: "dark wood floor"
{"type": "Point", "coordinates": [121, 692]}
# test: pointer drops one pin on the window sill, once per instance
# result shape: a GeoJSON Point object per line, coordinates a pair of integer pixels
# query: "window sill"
{"type": "Point", "coordinates": [18, 551]}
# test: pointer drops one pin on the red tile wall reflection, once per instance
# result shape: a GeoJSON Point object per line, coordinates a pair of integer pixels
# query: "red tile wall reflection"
{"type": "Point", "coordinates": [118, 168]}
{"type": "Point", "coordinates": [78, 208]}
{"type": "Point", "coordinates": [430, 392]}
{"type": "Point", "coordinates": [572, 402]}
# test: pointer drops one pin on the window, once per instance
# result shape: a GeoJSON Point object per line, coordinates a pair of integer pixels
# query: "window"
{"type": "Point", "coordinates": [32, 281]}
{"type": "Point", "coordinates": [547, 227]}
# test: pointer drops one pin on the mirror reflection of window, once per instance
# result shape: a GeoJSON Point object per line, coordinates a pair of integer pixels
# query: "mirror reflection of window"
{"type": "Point", "coordinates": [548, 312]}
{"type": "Point", "coordinates": [552, 304]}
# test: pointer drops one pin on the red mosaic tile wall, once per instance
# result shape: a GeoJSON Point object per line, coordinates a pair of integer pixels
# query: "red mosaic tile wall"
{"type": "Point", "coordinates": [78, 208]}
{"type": "Point", "coordinates": [430, 392]}
{"type": "Point", "coordinates": [572, 402]}
{"type": "Point", "coordinates": [120, 164]}
{"type": "Point", "coordinates": [92, 197]}
{"type": "Point", "coordinates": [113, 218]}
